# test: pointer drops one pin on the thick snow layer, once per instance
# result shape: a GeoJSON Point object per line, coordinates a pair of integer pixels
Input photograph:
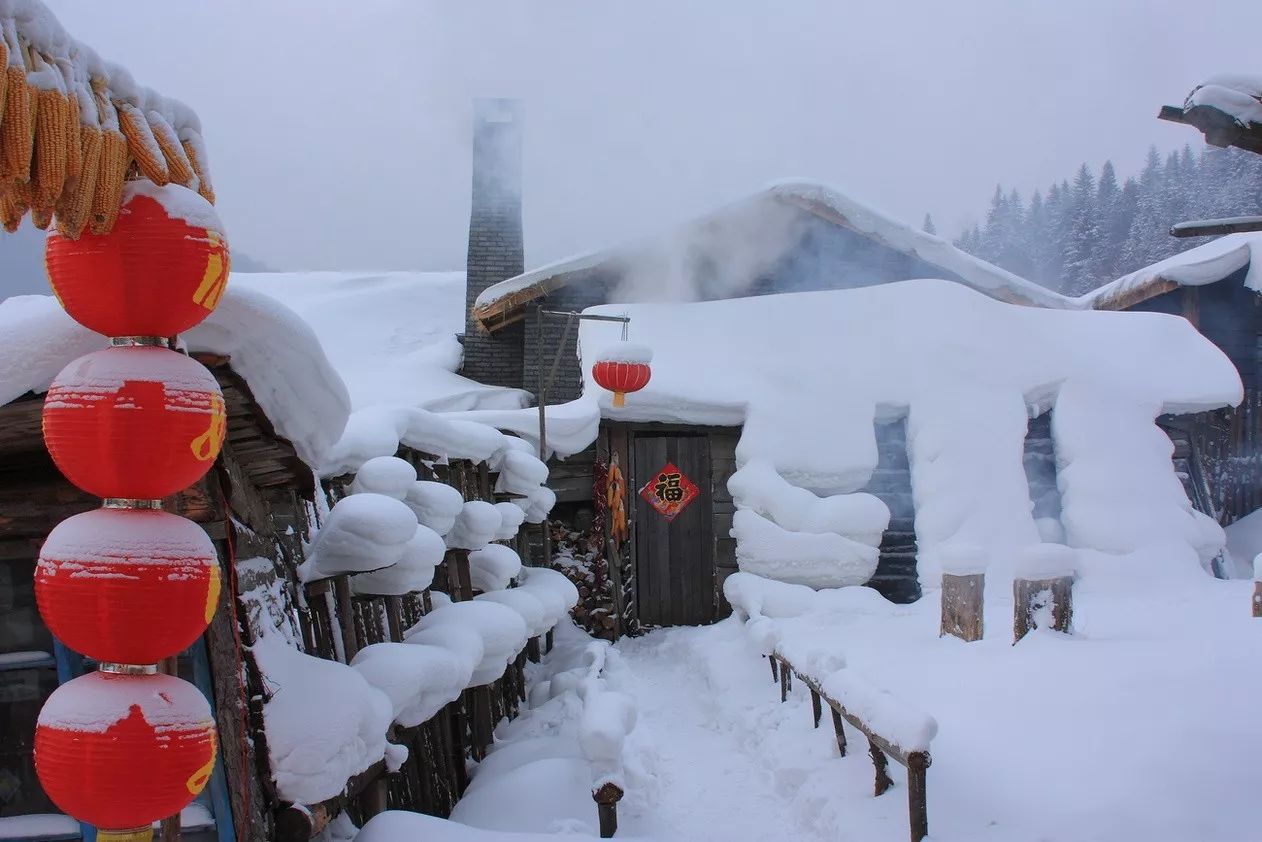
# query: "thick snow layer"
{"type": "Point", "coordinates": [178, 201]}
{"type": "Point", "coordinates": [1118, 491]}
{"type": "Point", "coordinates": [1206, 264]}
{"type": "Point", "coordinates": [1046, 561]}
{"type": "Point", "coordinates": [824, 560]}
{"type": "Point", "coordinates": [538, 504]}
{"type": "Point", "coordinates": [276, 353]}
{"type": "Point", "coordinates": [414, 570]}
{"type": "Point", "coordinates": [388, 475]}
{"type": "Point", "coordinates": [967, 371]}
{"type": "Point", "coordinates": [379, 430]}
{"type": "Point", "coordinates": [974, 272]}
{"type": "Point", "coordinates": [511, 518]}
{"type": "Point", "coordinates": [553, 589]}
{"type": "Point", "coordinates": [625, 352]}
{"type": "Point", "coordinates": [435, 504]}
{"type": "Point", "coordinates": [465, 643]}
{"type": "Point", "coordinates": [1244, 543]}
{"type": "Point", "coordinates": [526, 604]}
{"type": "Point", "coordinates": [363, 532]}
{"type": "Point", "coordinates": [1238, 96]}
{"type": "Point", "coordinates": [419, 679]}
{"type": "Point", "coordinates": [325, 723]}
{"type": "Point", "coordinates": [571, 427]}
{"type": "Point", "coordinates": [493, 567]}
{"type": "Point", "coordinates": [398, 826]}
{"type": "Point", "coordinates": [38, 826]}
{"type": "Point", "coordinates": [391, 336]}
{"type": "Point", "coordinates": [97, 701]}
{"type": "Point", "coordinates": [520, 473]}
{"type": "Point", "coordinates": [757, 487]}
{"type": "Point", "coordinates": [476, 526]}
{"type": "Point", "coordinates": [886, 714]}
{"type": "Point", "coordinates": [504, 633]}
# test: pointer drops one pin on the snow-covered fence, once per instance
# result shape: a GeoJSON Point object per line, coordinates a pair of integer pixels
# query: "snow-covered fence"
{"type": "Point", "coordinates": [894, 729]}
{"type": "Point", "coordinates": [608, 716]}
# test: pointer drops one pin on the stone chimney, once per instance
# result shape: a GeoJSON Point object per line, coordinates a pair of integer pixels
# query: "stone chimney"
{"type": "Point", "coordinates": [495, 238]}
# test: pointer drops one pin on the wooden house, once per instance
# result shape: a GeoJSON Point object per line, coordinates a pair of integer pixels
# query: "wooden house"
{"type": "Point", "coordinates": [1215, 287]}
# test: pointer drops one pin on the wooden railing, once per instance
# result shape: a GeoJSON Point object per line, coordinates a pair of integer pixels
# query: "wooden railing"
{"type": "Point", "coordinates": [880, 747]}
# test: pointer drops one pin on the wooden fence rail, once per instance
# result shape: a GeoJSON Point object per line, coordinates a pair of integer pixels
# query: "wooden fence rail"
{"type": "Point", "coordinates": [880, 748]}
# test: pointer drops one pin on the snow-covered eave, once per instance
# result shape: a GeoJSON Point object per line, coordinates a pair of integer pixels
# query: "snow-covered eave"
{"type": "Point", "coordinates": [503, 303]}
{"type": "Point", "coordinates": [1201, 266]}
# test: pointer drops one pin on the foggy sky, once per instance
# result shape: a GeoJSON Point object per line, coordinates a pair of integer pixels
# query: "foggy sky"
{"type": "Point", "coordinates": [339, 131]}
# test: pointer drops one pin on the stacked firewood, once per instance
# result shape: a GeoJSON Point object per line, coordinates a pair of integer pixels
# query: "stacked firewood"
{"type": "Point", "coordinates": [74, 129]}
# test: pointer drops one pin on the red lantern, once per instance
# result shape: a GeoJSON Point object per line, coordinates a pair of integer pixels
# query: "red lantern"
{"type": "Point", "coordinates": [134, 422]}
{"type": "Point", "coordinates": [130, 586]}
{"type": "Point", "coordinates": [123, 751]}
{"type": "Point", "coordinates": [623, 368]}
{"type": "Point", "coordinates": [161, 270]}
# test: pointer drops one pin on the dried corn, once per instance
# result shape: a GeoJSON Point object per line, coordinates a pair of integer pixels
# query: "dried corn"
{"type": "Point", "coordinates": [17, 132]}
{"type": "Point", "coordinates": [4, 77]}
{"type": "Point", "coordinates": [11, 212]}
{"type": "Point", "coordinates": [52, 149]}
{"type": "Point", "coordinates": [41, 218]}
{"type": "Point", "coordinates": [196, 153]}
{"type": "Point", "coordinates": [142, 145]}
{"type": "Point", "coordinates": [179, 167]}
{"type": "Point", "coordinates": [111, 173]}
{"type": "Point", "coordinates": [76, 203]}
{"type": "Point", "coordinates": [20, 196]}
{"type": "Point", "coordinates": [74, 157]}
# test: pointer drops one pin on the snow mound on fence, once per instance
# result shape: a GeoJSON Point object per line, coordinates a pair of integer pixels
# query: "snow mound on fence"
{"type": "Point", "coordinates": [493, 567]}
{"type": "Point", "coordinates": [502, 629]}
{"type": "Point", "coordinates": [363, 532]}
{"type": "Point", "coordinates": [388, 475]}
{"type": "Point", "coordinates": [414, 571]}
{"type": "Point", "coordinates": [800, 373]}
{"type": "Point", "coordinates": [419, 679]}
{"type": "Point", "coordinates": [324, 722]}
{"type": "Point", "coordinates": [435, 504]}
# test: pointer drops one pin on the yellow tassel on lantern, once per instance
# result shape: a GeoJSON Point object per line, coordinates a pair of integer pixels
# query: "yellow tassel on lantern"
{"type": "Point", "coordinates": [619, 398]}
{"type": "Point", "coordinates": [139, 834]}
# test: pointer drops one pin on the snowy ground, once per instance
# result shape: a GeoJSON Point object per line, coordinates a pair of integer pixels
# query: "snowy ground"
{"type": "Point", "coordinates": [1138, 726]}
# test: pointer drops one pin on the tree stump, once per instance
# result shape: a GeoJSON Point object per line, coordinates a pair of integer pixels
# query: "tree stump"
{"type": "Point", "coordinates": [1257, 599]}
{"type": "Point", "coordinates": [962, 612]}
{"type": "Point", "coordinates": [1036, 601]}
{"type": "Point", "coordinates": [607, 798]}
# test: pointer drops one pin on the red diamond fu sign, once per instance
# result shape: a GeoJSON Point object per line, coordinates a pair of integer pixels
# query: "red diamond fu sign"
{"type": "Point", "coordinates": [669, 491]}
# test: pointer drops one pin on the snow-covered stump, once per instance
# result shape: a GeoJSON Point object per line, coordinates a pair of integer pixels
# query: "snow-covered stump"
{"type": "Point", "coordinates": [607, 798]}
{"type": "Point", "coordinates": [962, 612]}
{"type": "Point", "coordinates": [1257, 586]}
{"type": "Point", "coordinates": [1042, 590]}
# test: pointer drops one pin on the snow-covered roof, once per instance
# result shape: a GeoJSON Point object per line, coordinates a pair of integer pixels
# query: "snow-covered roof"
{"type": "Point", "coordinates": [1237, 95]}
{"type": "Point", "coordinates": [798, 373]}
{"type": "Point", "coordinates": [275, 351]}
{"type": "Point", "coordinates": [1202, 265]}
{"type": "Point", "coordinates": [495, 305]}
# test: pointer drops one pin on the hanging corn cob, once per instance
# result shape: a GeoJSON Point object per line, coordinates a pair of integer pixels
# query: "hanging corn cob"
{"type": "Point", "coordinates": [142, 145]}
{"type": "Point", "coordinates": [179, 168]}
{"type": "Point", "coordinates": [74, 128]}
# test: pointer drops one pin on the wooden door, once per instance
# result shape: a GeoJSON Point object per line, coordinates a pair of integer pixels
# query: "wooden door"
{"type": "Point", "coordinates": [674, 558]}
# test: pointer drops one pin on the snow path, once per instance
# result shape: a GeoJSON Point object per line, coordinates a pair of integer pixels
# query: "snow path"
{"type": "Point", "coordinates": [716, 756]}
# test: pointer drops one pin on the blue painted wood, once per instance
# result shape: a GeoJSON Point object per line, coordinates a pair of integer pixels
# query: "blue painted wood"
{"type": "Point", "coordinates": [70, 666]}
{"type": "Point", "coordinates": [220, 805]}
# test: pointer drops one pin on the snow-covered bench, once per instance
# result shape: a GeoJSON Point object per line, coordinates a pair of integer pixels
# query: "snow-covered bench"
{"type": "Point", "coordinates": [893, 728]}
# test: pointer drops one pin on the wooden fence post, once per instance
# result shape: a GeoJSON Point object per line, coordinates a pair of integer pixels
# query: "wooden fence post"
{"type": "Point", "coordinates": [917, 801]}
{"type": "Point", "coordinates": [607, 798]}
{"type": "Point", "coordinates": [962, 605]}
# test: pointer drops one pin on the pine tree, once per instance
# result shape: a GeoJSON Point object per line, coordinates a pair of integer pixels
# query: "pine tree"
{"type": "Point", "coordinates": [1104, 253]}
{"type": "Point", "coordinates": [1082, 234]}
{"type": "Point", "coordinates": [929, 227]}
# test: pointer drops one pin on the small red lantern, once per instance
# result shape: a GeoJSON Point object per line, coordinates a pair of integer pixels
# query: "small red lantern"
{"type": "Point", "coordinates": [134, 422]}
{"type": "Point", "coordinates": [123, 751]}
{"type": "Point", "coordinates": [131, 586]}
{"type": "Point", "coordinates": [622, 369]}
{"type": "Point", "coordinates": [161, 270]}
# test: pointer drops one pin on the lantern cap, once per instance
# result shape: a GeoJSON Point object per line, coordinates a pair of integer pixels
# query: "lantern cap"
{"type": "Point", "coordinates": [626, 352]}
{"type": "Point", "coordinates": [177, 201]}
{"type": "Point", "coordinates": [95, 702]}
{"type": "Point", "coordinates": [137, 536]}
{"type": "Point", "coordinates": [109, 368]}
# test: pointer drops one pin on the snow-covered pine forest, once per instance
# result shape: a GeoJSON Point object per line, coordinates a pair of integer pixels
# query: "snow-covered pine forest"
{"type": "Point", "coordinates": [1096, 226]}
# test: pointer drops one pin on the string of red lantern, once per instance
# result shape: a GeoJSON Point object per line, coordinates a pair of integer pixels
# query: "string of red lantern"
{"type": "Point", "coordinates": [129, 584]}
